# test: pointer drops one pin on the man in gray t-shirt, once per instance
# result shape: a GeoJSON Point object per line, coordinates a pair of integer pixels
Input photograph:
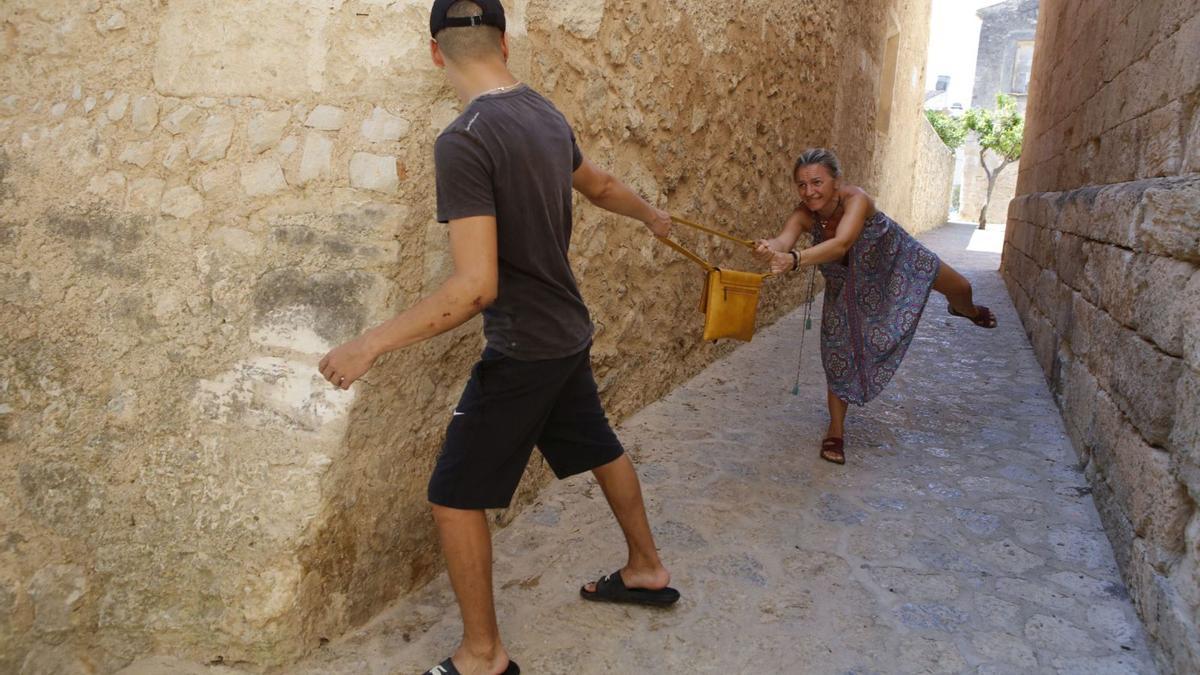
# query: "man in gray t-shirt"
{"type": "Point", "coordinates": [511, 155]}
{"type": "Point", "coordinates": [505, 171]}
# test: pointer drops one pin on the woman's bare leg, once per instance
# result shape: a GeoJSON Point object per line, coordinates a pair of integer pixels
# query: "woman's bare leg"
{"type": "Point", "coordinates": [837, 416]}
{"type": "Point", "coordinates": [957, 290]}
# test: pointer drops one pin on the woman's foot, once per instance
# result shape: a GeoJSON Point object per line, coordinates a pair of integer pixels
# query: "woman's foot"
{"type": "Point", "coordinates": [983, 317]}
{"type": "Point", "coordinates": [832, 450]}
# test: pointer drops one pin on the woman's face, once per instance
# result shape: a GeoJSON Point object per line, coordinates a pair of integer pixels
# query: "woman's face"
{"type": "Point", "coordinates": [817, 187]}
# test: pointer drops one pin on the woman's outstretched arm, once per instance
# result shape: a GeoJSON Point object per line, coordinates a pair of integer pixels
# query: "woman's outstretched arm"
{"type": "Point", "coordinates": [796, 224]}
{"type": "Point", "coordinates": [848, 231]}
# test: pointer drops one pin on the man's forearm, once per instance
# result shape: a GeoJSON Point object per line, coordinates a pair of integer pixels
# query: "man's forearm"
{"type": "Point", "coordinates": [618, 198]}
{"type": "Point", "coordinates": [450, 306]}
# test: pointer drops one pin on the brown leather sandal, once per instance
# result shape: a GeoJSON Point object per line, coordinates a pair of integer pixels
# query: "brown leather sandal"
{"type": "Point", "coordinates": [984, 318]}
{"type": "Point", "coordinates": [832, 450]}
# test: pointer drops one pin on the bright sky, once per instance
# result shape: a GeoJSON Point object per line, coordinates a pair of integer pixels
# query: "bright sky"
{"type": "Point", "coordinates": [953, 43]}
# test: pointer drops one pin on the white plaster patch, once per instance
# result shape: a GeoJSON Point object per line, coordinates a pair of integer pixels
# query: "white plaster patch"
{"type": "Point", "coordinates": [326, 118]}
{"type": "Point", "coordinates": [220, 48]}
{"type": "Point", "coordinates": [263, 178]}
{"type": "Point", "coordinates": [383, 126]}
{"type": "Point", "coordinates": [273, 393]}
{"type": "Point", "coordinates": [374, 172]}
{"type": "Point", "coordinates": [291, 328]}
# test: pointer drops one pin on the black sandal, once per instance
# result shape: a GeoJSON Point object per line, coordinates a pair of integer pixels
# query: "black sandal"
{"type": "Point", "coordinates": [612, 588]}
{"type": "Point", "coordinates": [447, 668]}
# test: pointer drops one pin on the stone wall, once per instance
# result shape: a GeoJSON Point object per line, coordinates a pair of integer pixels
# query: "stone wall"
{"type": "Point", "coordinates": [198, 198]}
{"type": "Point", "coordinates": [933, 182]}
{"type": "Point", "coordinates": [1101, 258]}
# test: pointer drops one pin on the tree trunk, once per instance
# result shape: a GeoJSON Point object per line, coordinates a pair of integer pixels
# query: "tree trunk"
{"type": "Point", "coordinates": [991, 176]}
{"type": "Point", "coordinates": [991, 183]}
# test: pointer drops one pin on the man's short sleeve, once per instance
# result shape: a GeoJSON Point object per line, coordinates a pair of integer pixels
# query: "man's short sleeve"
{"type": "Point", "coordinates": [464, 178]}
{"type": "Point", "coordinates": [576, 153]}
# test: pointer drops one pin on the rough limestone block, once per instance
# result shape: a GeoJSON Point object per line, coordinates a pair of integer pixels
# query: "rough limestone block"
{"type": "Point", "coordinates": [1189, 300]}
{"type": "Point", "coordinates": [145, 114]}
{"type": "Point", "coordinates": [1121, 141]}
{"type": "Point", "coordinates": [138, 154]}
{"type": "Point", "coordinates": [1045, 295]}
{"type": "Point", "coordinates": [182, 202]}
{"type": "Point", "coordinates": [181, 119]}
{"type": "Point", "coordinates": [1185, 76]}
{"type": "Point", "coordinates": [326, 118]}
{"type": "Point", "coordinates": [1161, 142]}
{"type": "Point", "coordinates": [374, 172]}
{"type": "Point", "coordinates": [110, 186]}
{"type": "Point", "coordinates": [262, 178]}
{"type": "Point", "coordinates": [1140, 477]}
{"type": "Point", "coordinates": [1115, 214]}
{"type": "Point", "coordinates": [383, 126]}
{"type": "Point", "coordinates": [176, 153]}
{"type": "Point", "coordinates": [56, 591]}
{"type": "Point", "coordinates": [145, 195]}
{"type": "Point", "coordinates": [317, 160]}
{"type": "Point", "coordinates": [1111, 279]}
{"type": "Point", "coordinates": [1162, 303]}
{"type": "Point", "coordinates": [1071, 259]}
{"type": "Point", "coordinates": [266, 129]}
{"type": "Point", "coordinates": [1170, 224]}
{"type": "Point", "coordinates": [581, 18]}
{"type": "Point", "coordinates": [217, 48]}
{"type": "Point", "coordinates": [1095, 336]}
{"type": "Point", "coordinates": [1143, 384]}
{"type": "Point", "coordinates": [1185, 438]}
{"type": "Point", "coordinates": [117, 108]}
{"type": "Point", "coordinates": [212, 142]}
{"type": "Point", "coordinates": [1191, 162]}
{"type": "Point", "coordinates": [1080, 391]}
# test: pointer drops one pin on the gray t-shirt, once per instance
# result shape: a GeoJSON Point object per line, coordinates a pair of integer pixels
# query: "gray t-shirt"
{"type": "Point", "coordinates": [512, 155]}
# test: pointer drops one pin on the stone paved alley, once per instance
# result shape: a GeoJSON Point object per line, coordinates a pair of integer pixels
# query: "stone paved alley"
{"type": "Point", "coordinates": [960, 537]}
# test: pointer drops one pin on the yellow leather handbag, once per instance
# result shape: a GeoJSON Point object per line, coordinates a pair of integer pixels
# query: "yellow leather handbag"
{"type": "Point", "coordinates": [730, 298]}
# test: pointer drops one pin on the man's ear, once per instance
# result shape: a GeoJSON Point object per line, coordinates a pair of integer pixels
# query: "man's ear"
{"type": "Point", "coordinates": [435, 53]}
{"type": "Point", "coordinates": [504, 46]}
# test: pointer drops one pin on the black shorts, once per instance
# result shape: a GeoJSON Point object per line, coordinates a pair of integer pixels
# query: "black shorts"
{"type": "Point", "coordinates": [508, 407]}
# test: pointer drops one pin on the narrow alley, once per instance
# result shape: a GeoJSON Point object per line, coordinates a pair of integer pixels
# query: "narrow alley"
{"type": "Point", "coordinates": [960, 536]}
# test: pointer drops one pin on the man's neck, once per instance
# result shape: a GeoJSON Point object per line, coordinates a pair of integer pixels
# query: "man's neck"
{"type": "Point", "coordinates": [475, 79]}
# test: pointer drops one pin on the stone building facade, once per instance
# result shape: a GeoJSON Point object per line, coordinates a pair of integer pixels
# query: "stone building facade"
{"type": "Point", "coordinates": [1101, 258]}
{"type": "Point", "coordinates": [1003, 66]}
{"type": "Point", "coordinates": [198, 198]}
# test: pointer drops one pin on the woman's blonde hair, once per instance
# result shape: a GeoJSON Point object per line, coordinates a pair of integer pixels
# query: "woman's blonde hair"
{"type": "Point", "coordinates": [821, 156]}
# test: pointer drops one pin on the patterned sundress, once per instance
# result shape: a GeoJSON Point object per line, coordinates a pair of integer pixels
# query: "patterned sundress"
{"type": "Point", "coordinates": [873, 301]}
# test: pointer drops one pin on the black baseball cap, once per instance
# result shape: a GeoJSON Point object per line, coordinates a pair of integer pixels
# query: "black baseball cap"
{"type": "Point", "coordinates": [493, 15]}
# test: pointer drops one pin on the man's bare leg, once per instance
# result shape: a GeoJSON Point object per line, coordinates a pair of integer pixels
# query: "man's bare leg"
{"type": "Point", "coordinates": [619, 481]}
{"type": "Point", "coordinates": [467, 547]}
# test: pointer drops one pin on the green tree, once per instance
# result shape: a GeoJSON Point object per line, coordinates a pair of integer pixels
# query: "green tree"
{"type": "Point", "coordinates": [1000, 131]}
{"type": "Point", "coordinates": [950, 128]}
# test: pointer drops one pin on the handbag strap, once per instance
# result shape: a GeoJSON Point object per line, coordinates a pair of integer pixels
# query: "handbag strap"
{"type": "Point", "coordinates": [748, 243]}
{"type": "Point", "coordinates": [691, 255]}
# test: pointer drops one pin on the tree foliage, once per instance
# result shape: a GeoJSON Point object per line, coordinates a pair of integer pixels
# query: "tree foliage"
{"type": "Point", "coordinates": [1000, 130]}
{"type": "Point", "coordinates": [950, 128]}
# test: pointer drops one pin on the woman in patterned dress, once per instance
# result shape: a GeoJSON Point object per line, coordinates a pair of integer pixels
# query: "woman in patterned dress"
{"type": "Point", "coordinates": [877, 280]}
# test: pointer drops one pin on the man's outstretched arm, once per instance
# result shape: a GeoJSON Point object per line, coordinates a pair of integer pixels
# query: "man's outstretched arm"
{"type": "Point", "coordinates": [470, 289]}
{"type": "Point", "coordinates": [604, 190]}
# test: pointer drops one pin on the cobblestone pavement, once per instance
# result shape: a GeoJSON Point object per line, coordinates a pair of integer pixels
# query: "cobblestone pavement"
{"type": "Point", "coordinates": [959, 538]}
